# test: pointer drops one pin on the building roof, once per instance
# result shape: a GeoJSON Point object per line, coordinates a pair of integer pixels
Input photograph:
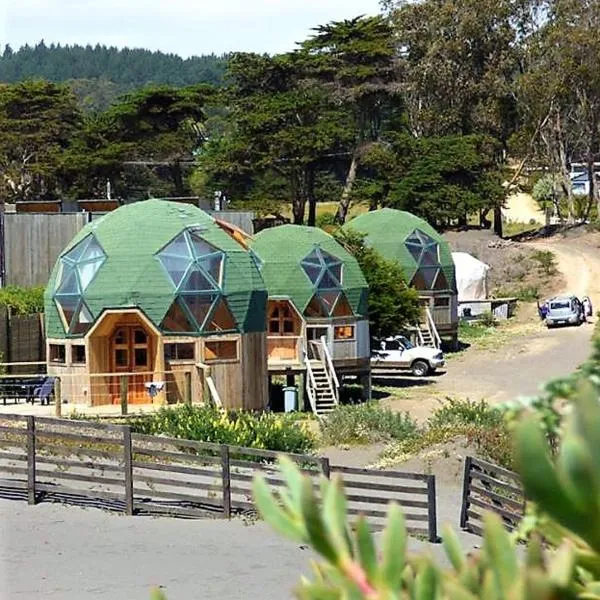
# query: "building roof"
{"type": "Point", "coordinates": [147, 254]}
{"type": "Point", "coordinates": [289, 258]}
{"type": "Point", "coordinates": [412, 242]}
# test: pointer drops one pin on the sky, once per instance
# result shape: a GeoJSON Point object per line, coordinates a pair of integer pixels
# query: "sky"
{"type": "Point", "coordinates": [184, 27]}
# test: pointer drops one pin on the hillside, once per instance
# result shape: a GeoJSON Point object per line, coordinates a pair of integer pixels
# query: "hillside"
{"type": "Point", "coordinates": [98, 74]}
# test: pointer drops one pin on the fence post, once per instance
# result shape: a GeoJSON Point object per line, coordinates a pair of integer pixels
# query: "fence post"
{"type": "Point", "coordinates": [31, 459]}
{"type": "Point", "coordinates": [187, 387]}
{"type": "Point", "coordinates": [57, 397]}
{"type": "Point", "coordinates": [432, 509]}
{"type": "Point", "coordinates": [123, 388]}
{"type": "Point", "coordinates": [226, 476]}
{"type": "Point", "coordinates": [325, 467]}
{"type": "Point", "coordinates": [128, 469]}
{"type": "Point", "coordinates": [465, 494]}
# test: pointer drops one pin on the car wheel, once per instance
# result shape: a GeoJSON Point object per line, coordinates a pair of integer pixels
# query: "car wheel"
{"type": "Point", "coordinates": [420, 368]}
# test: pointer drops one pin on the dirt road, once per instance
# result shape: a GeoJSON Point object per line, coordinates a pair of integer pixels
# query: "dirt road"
{"type": "Point", "coordinates": [521, 366]}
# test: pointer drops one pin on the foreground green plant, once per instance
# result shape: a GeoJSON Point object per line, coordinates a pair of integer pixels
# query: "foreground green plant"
{"type": "Point", "coordinates": [567, 496]}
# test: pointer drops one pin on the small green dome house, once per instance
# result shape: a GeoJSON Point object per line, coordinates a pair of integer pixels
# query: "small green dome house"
{"type": "Point", "coordinates": [154, 290]}
{"type": "Point", "coordinates": [425, 257]}
{"type": "Point", "coordinates": [317, 303]}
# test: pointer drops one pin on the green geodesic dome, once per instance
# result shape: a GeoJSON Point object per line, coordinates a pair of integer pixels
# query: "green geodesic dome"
{"type": "Point", "coordinates": [308, 266]}
{"type": "Point", "coordinates": [170, 260]}
{"type": "Point", "coordinates": [421, 251]}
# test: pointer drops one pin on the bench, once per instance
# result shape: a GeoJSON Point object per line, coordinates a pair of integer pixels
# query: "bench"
{"type": "Point", "coordinates": [18, 388]}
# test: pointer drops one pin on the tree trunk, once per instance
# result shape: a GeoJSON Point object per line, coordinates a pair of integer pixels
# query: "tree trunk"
{"type": "Point", "coordinates": [591, 184]}
{"type": "Point", "coordinates": [498, 221]}
{"type": "Point", "coordinates": [564, 167]}
{"type": "Point", "coordinates": [344, 205]}
{"type": "Point", "coordinates": [298, 199]}
{"type": "Point", "coordinates": [177, 178]}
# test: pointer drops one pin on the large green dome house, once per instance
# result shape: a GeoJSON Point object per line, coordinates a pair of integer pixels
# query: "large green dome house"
{"type": "Point", "coordinates": [317, 308]}
{"type": "Point", "coordinates": [151, 292]}
{"type": "Point", "coordinates": [427, 262]}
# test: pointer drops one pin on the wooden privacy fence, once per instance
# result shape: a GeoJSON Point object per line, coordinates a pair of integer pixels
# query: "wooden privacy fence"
{"type": "Point", "coordinates": [106, 465]}
{"type": "Point", "coordinates": [488, 487]}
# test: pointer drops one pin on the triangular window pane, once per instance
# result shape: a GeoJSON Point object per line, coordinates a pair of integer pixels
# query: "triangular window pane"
{"type": "Point", "coordinates": [315, 308]}
{"type": "Point", "coordinates": [328, 282]}
{"type": "Point", "coordinates": [67, 307]}
{"type": "Point", "coordinates": [425, 239]}
{"type": "Point", "coordinates": [418, 281]}
{"type": "Point", "coordinates": [199, 306]}
{"type": "Point", "coordinates": [336, 271]}
{"type": "Point", "coordinates": [312, 271]}
{"type": "Point", "coordinates": [75, 252]}
{"type": "Point", "coordinates": [313, 258]}
{"type": "Point", "coordinates": [429, 275]}
{"type": "Point", "coordinates": [221, 318]}
{"type": "Point", "coordinates": [176, 320]}
{"type": "Point", "coordinates": [69, 284]}
{"type": "Point", "coordinates": [415, 251]}
{"type": "Point", "coordinates": [414, 239]}
{"type": "Point", "coordinates": [93, 250]}
{"type": "Point", "coordinates": [178, 247]}
{"type": "Point", "coordinates": [200, 247]}
{"type": "Point", "coordinates": [197, 281]}
{"type": "Point", "coordinates": [328, 299]}
{"type": "Point", "coordinates": [329, 259]}
{"type": "Point", "coordinates": [429, 258]}
{"type": "Point", "coordinates": [82, 321]}
{"type": "Point", "coordinates": [212, 265]}
{"type": "Point", "coordinates": [441, 283]}
{"type": "Point", "coordinates": [87, 270]}
{"type": "Point", "coordinates": [342, 307]}
{"type": "Point", "coordinates": [176, 267]}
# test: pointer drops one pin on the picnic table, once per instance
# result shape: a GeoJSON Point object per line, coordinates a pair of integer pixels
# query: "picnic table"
{"type": "Point", "coordinates": [17, 388]}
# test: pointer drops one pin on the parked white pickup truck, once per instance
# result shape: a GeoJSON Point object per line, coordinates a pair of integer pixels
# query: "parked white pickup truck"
{"type": "Point", "coordinates": [398, 352]}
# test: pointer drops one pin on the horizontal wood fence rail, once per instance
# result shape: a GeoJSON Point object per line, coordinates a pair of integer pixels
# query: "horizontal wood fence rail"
{"type": "Point", "coordinates": [488, 487]}
{"type": "Point", "coordinates": [109, 466]}
{"type": "Point", "coordinates": [368, 491]}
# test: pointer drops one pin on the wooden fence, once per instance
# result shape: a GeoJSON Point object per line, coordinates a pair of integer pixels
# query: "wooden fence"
{"type": "Point", "coordinates": [21, 341]}
{"type": "Point", "coordinates": [106, 465]}
{"type": "Point", "coordinates": [488, 487]}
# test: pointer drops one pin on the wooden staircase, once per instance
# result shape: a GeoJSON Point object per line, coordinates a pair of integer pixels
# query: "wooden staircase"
{"type": "Point", "coordinates": [322, 385]}
{"type": "Point", "coordinates": [427, 332]}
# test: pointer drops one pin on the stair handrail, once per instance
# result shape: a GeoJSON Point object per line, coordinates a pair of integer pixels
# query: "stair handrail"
{"type": "Point", "coordinates": [311, 384]}
{"type": "Point", "coordinates": [330, 369]}
{"type": "Point", "coordinates": [432, 328]}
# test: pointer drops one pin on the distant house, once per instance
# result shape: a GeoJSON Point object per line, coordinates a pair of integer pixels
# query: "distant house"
{"type": "Point", "coordinates": [580, 182]}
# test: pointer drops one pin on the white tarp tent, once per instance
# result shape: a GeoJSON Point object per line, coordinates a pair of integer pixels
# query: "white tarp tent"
{"type": "Point", "coordinates": [471, 277]}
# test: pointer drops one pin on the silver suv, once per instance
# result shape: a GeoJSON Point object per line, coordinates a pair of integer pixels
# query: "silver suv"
{"type": "Point", "coordinates": [564, 310]}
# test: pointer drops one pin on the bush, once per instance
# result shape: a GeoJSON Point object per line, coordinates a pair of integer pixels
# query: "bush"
{"type": "Point", "coordinates": [487, 319]}
{"type": "Point", "coordinates": [267, 431]}
{"type": "Point", "coordinates": [23, 301]}
{"type": "Point", "coordinates": [465, 412]}
{"type": "Point", "coordinates": [365, 424]}
{"type": "Point", "coordinates": [546, 261]}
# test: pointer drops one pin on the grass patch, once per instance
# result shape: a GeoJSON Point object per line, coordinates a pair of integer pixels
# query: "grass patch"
{"type": "Point", "coordinates": [366, 423]}
{"type": "Point", "coordinates": [510, 228]}
{"type": "Point", "coordinates": [265, 431]}
{"type": "Point", "coordinates": [483, 427]}
{"type": "Point", "coordinates": [481, 337]}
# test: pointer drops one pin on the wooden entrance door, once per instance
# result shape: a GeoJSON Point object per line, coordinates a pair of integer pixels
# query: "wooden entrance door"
{"type": "Point", "coordinates": [284, 331]}
{"type": "Point", "coordinates": [130, 351]}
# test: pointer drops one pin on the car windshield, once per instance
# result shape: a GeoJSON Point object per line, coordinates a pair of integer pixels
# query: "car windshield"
{"type": "Point", "coordinates": [560, 304]}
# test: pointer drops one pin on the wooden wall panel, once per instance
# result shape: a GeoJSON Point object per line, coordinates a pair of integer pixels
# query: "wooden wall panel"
{"type": "Point", "coordinates": [255, 371]}
{"type": "Point", "coordinates": [33, 243]}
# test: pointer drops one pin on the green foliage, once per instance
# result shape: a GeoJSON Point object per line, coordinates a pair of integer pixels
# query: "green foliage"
{"type": "Point", "coordinates": [266, 431]}
{"type": "Point", "coordinates": [126, 68]}
{"type": "Point", "coordinates": [523, 293]}
{"type": "Point", "coordinates": [457, 411]}
{"type": "Point", "coordinates": [392, 304]}
{"type": "Point", "coordinates": [365, 424]}
{"type": "Point", "coordinates": [546, 262]}
{"type": "Point", "coordinates": [567, 494]}
{"type": "Point", "coordinates": [23, 301]}
{"type": "Point", "coordinates": [487, 319]}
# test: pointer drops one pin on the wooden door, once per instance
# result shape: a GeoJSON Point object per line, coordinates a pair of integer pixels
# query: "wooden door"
{"type": "Point", "coordinates": [130, 350]}
{"type": "Point", "coordinates": [284, 331]}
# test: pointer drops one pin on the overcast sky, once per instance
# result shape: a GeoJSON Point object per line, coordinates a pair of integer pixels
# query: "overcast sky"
{"type": "Point", "coordinates": [185, 27]}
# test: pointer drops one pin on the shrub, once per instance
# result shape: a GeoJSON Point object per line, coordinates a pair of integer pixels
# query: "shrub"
{"type": "Point", "coordinates": [465, 412]}
{"type": "Point", "coordinates": [546, 261]}
{"type": "Point", "coordinates": [365, 424]}
{"type": "Point", "coordinates": [487, 319]}
{"type": "Point", "coordinates": [23, 301]}
{"type": "Point", "coordinates": [267, 431]}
